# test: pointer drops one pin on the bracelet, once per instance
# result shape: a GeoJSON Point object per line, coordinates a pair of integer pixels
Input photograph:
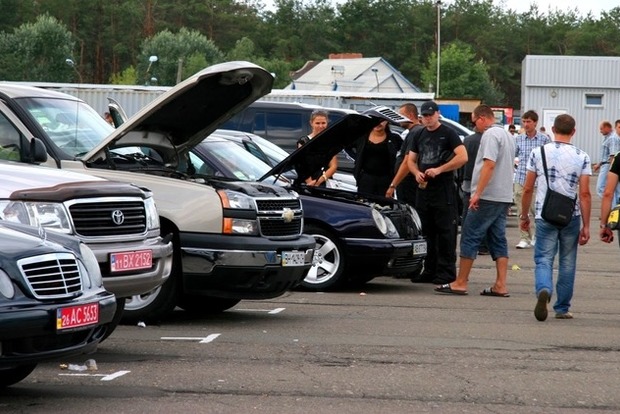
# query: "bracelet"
{"type": "Point", "coordinates": [603, 226]}
{"type": "Point", "coordinates": [524, 217]}
{"type": "Point", "coordinates": [391, 185]}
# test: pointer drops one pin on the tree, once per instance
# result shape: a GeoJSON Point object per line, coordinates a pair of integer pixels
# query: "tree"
{"type": "Point", "coordinates": [173, 52]}
{"type": "Point", "coordinates": [38, 52]}
{"type": "Point", "coordinates": [461, 75]}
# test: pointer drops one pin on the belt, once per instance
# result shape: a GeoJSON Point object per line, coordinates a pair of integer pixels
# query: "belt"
{"type": "Point", "coordinates": [606, 162]}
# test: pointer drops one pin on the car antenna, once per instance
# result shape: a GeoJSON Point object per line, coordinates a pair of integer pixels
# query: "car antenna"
{"type": "Point", "coordinates": [71, 63]}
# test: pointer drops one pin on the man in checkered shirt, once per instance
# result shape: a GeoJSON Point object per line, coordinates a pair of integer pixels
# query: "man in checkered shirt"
{"type": "Point", "coordinates": [525, 143]}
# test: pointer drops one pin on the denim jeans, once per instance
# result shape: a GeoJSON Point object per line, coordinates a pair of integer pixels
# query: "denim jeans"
{"type": "Point", "coordinates": [489, 221]}
{"type": "Point", "coordinates": [550, 239]}
{"type": "Point", "coordinates": [601, 182]}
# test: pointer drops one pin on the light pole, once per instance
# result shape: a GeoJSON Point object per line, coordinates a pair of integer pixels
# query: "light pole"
{"type": "Point", "coordinates": [71, 63]}
{"type": "Point", "coordinates": [152, 59]}
{"type": "Point", "coordinates": [438, 4]}
{"type": "Point", "coordinates": [376, 71]}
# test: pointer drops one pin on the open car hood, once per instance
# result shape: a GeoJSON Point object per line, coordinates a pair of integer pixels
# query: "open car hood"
{"type": "Point", "coordinates": [181, 117]}
{"type": "Point", "coordinates": [317, 152]}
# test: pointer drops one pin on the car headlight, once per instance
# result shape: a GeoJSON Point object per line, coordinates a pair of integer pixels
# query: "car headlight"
{"type": "Point", "coordinates": [6, 285]}
{"type": "Point", "coordinates": [415, 217]}
{"type": "Point", "coordinates": [51, 216]}
{"type": "Point", "coordinates": [235, 220]}
{"type": "Point", "coordinates": [385, 225]}
{"type": "Point", "coordinates": [152, 217]}
{"type": "Point", "coordinates": [91, 266]}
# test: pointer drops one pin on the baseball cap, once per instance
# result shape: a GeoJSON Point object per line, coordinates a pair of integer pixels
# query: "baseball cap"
{"type": "Point", "coordinates": [429, 108]}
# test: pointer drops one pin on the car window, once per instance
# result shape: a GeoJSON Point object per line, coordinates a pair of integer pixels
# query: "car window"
{"type": "Point", "coordinates": [9, 140]}
{"type": "Point", "coordinates": [284, 124]}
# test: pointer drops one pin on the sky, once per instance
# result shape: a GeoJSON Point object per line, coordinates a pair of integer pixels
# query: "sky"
{"type": "Point", "coordinates": [520, 6]}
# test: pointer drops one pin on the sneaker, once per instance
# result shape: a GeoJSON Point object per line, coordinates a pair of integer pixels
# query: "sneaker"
{"type": "Point", "coordinates": [523, 244]}
{"type": "Point", "coordinates": [533, 242]}
{"type": "Point", "coordinates": [540, 311]}
{"type": "Point", "coordinates": [566, 315]}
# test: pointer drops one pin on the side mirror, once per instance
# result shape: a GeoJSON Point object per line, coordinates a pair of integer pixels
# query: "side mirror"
{"type": "Point", "coordinates": [38, 153]}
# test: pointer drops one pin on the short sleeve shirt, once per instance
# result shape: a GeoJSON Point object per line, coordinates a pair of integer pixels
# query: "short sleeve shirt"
{"type": "Point", "coordinates": [435, 148]}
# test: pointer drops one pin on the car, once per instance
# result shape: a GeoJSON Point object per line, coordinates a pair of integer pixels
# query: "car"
{"type": "Point", "coordinates": [232, 240]}
{"type": "Point", "coordinates": [358, 236]}
{"type": "Point", "coordinates": [118, 221]}
{"type": "Point", "coordinates": [52, 300]}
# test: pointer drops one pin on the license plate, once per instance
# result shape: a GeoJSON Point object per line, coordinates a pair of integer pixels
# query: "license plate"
{"type": "Point", "coordinates": [419, 248]}
{"type": "Point", "coordinates": [293, 258]}
{"type": "Point", "coordinates": [77, 316]}
{"type": "Point", "coordinates": [121, 262]}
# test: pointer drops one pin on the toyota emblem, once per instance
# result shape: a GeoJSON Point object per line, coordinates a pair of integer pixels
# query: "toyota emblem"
{"type": "Point", "coordinates": [118, 217]}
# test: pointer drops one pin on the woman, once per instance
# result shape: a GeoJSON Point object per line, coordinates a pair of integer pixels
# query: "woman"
{"type": "Point", "coordinates": [318, 122]}
{"type": "Point", "coordinates": [607, 203]}
{"type": "Point", "coordinates": [375, 157]}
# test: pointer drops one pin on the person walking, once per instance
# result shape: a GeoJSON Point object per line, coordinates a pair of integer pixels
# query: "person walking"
{"type": "Point", "coordinates": [526, 142]}
{"type": "Point", "coordinates": [569, 170]}
{"type": "Point", "coordinates": [491, 195]}
{"type": "Point", "coordinates": [318, 123]}
{"type": "Point", "coordinates": [609, 146]}
{"type": "Point", "coordinates": [605, 233]}
{"type": "Point", "coordinates": [403, 182]}
{"type": "Point", "coordinates": [436, 152]}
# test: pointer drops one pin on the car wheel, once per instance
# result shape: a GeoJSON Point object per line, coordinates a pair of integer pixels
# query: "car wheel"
{"type": "Point", "coordinates": [151, 307]}
{"type": "Point", "coordinates": [118, 314]}
{"type": "Point", "coordinates": [206, 305]}
{"type": "Point", "coordinates": [14, 375]}
{"type": "Point", "coordinates": [327, 272]}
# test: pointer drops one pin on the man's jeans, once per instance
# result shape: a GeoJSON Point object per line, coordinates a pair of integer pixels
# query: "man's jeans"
{"type": "Point", "coordinates": [548, 240]}
{"type": "Point", "coordinates": [601, 182]}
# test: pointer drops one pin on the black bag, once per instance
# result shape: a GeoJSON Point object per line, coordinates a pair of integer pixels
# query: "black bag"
{"type": "Point", "coordinates": [557, 208]}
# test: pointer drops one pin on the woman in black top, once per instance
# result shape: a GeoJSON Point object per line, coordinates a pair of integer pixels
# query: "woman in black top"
{"type": "Point", "coordinates": [318, 122]}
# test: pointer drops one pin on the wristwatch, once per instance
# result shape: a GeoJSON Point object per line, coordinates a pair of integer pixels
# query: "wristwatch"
{"type": "Point", "coordinates": [391, 185]}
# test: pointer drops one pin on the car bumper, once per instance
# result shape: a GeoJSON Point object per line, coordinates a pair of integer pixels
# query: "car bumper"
{"type": "Point", "coordinates": [383, 257]}
{"type": "Point", "coordinates": [242, 267]}
{"type": "Point", "coordinates": [28, 332]}
{"type": "Point", "coordinates": [135, 282]}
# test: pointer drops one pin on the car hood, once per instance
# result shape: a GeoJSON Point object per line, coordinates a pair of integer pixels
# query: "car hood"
{"type": "Point", "coordinates": [181, 117]}
{"type": "Point", "coordinates": [343, 133]}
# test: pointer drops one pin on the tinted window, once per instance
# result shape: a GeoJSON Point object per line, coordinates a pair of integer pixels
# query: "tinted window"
{"type": "Point", "coordinates": [284, 124]}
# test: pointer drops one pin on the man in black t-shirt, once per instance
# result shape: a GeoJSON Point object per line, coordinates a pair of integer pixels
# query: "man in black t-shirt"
{"type": "Point", "coordinates": [435, 154]}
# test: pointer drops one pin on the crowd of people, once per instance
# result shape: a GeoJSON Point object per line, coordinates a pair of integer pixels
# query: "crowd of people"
{"type": "Point", "coordinates": [496, 167]}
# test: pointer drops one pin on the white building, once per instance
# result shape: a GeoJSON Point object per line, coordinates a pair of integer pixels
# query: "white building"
{"type": "Point", "coordinates": [586, 87]}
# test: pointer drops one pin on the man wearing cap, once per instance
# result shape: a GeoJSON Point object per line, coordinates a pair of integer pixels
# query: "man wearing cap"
{"type": "Point", "coordinates": [435, 154]}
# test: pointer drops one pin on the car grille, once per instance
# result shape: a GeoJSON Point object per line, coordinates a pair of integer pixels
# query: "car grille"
{"type": "Point", "coordinates": [403, 221]}
{"type": "Point", "coordinates": [279, 218]}
{"type": "Point", "coordinates": [97, 219]}
{"type": "Point", "coordinates": [52, 276]}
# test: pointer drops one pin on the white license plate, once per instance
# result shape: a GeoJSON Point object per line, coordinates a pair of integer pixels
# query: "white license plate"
{"type": "Point", "coordinates": [419, 248]}
{"type": "Point", "coordinates": [77, 316]}
{"type": "Point", "coordinates": [293, 258]}
{"type": "Point", "coordinates": [121, 262]}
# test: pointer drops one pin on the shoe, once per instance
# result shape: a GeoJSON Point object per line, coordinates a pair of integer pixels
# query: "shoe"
{"type": "Point", "coordinates": [523, 244]}
{"type": "Point", "coordinates": [566, 315]}
{"type": "Point", "coordinates": [447, 289]}
{"type": "Point", "coordinates": [533, 242]}
{"type": "Point", "coordinates": [540, 311]}
{"type": "Point", "coordinates": [490, 292]}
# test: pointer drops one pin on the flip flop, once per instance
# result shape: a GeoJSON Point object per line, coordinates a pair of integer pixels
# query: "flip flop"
{"type": "Point", "coordinates": [447, 289]}
{"type": "Point", "coordinates": [490, 292]}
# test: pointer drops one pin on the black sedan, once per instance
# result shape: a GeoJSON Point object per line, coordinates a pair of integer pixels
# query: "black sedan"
{"type": "Point", "coordinates": [358, 236]}
{"type": "Point", "coordinates": [52, 301]}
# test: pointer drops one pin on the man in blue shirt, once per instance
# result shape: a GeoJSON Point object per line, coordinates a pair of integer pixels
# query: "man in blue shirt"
{"type": "Point", "coordinates": [610, 146]}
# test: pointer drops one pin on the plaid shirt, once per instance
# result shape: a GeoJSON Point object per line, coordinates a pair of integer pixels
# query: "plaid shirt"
{"type": "Point", "coordinates": [611, 145]}
{"type": "Point", "coordinates": [525, 145]}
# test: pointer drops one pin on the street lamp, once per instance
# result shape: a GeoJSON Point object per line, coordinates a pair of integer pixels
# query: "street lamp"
{"type": "Point", "coordinates": [152, 59]}
{"type": "Point", "coordinates": [438, 4]}
{"type": "Point", "coordinates": [376, 71]}
{"type": "Point", "coordinates": [71, 63]}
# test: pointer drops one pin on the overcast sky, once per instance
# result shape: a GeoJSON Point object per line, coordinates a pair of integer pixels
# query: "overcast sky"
{"type": "Point", "coordinates": [523, 5]}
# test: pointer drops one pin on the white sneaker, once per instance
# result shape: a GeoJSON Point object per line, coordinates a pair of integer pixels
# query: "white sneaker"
{"type": "Point", "coordinates": [533, 242]}
{"type": "Point", "coordinates": [523, 244]}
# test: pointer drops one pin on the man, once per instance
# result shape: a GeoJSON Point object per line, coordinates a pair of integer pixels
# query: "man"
{"type": "Point", "coordinates": [436, 152]}
{"type": "Point", "coordinates": [571, 169]}
{"type": "Point", "coordinates": [512, 129]}
{"type": "Point", "coordinates": [610, 145]}
{"type": "Point", "coordinates": [403, 181]}
{"type": "Point", "coordinates": [526, 142]}
{"type": "Point", "coordinates": [491, 195]}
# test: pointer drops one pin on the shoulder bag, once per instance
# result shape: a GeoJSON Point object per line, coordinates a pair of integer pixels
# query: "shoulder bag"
{"type": "Point", "coordinates": [557, 208]}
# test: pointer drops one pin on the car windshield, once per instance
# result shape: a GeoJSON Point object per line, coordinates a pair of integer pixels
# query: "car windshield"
{"type": "Point", "coordinates": [235, 163]}
{"type": "Point", "coordinates": [73, 126]}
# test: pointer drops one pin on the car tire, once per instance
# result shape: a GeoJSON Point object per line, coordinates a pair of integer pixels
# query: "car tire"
{"type": "Point", "coordinates": [206, 305]}
{"type": "Point", "coordinates": [327, 273]}
{"type": "Point", "coordinates": [118, 314]}
{"type": "Point", "coordinates": [14, 375]}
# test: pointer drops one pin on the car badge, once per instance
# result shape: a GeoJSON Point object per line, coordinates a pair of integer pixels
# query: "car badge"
{"type": "Point", "coordinates": [288, 215]}
{"type": "Point", "coordinates": [118, 217]}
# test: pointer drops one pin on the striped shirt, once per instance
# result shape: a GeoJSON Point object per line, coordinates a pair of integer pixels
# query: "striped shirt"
{"type": "Point", "coordinates": [524, 146]}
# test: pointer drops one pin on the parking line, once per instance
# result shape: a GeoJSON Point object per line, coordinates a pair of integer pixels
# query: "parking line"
{"type": "Point", "coordinates": [104, 377]}
{"type": "Point", "coordinates": [271, 312]}
{"type": "Point", "coordinates": [206, 340]}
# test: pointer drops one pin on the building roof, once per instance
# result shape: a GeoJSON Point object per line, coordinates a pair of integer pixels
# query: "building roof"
{"type": "Point", "coordinates": [373, 74]}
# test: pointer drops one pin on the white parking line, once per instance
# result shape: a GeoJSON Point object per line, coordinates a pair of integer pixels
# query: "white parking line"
{"type": "Point", "coordinates": [104, 377]}
{"type": "Point", "coordinates": [271, 312]}
{"type": "Point", "coordinates": [206, 340]}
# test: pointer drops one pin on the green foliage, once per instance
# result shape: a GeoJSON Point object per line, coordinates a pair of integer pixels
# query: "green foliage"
{"type": "Point", "coordinates": [38, 52]}
{"type": "Point", "coordinates": [126, 77]}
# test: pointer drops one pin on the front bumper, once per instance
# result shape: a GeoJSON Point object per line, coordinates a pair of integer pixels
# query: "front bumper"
{"type": "Point", "coordinates": [241, 267]}
{"type": "Point", "coordinates": [384, 257]}
{"type": "Point", "coordinates": [135, 282]}
{"type": "Point", "coordinates": [28, 331]}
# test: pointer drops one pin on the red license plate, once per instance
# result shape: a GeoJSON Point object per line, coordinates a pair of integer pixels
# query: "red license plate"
{"type": "Point", "coordinates": [121, 262]}
{"type": "Point", "coordinates": [77, 316]}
